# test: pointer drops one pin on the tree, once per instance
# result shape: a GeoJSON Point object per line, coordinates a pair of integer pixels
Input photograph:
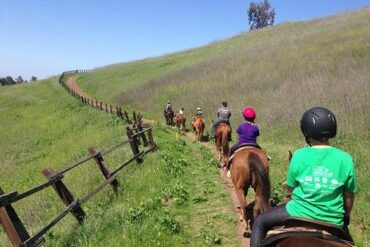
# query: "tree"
{"type": "Point", "coordinates": [33, 78]}
{"type": "Point", "coordinates": [19, 79]}
{"type": "Point", "coordinates": [9, 80]}
{"type": "Point", "coordinates": [260, 15]}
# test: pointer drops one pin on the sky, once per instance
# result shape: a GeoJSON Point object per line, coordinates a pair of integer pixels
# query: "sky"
{"type": "Point", "coordinates": [46, 37]}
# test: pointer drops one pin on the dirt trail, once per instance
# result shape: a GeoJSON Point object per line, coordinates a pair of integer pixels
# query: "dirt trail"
{"type": "Point", "coordinates": [224, 179]}
{"type": "Point", "coordinates": [229, 186]}
{"type": "Point", "coordinates": [71, 83]}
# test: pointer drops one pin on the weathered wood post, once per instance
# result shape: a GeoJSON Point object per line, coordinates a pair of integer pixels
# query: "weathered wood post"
{"type": "Point", "coordinates": [103, 167]}
{"type": "Point", "coordinates": [101, 105]}
{"type": "Point", "coordinates": [106, 107]}
{"type": "Point", "coordinates": [127, 118]}
{"type": "Point", "coordinates": [151, 140]}
{"type": "Point", "coordinates": [134, 116]}
{"type": "Point", "coordinates": [133, 144]}
{"type": "Point", "coordinates": [140, 128]}
{"type": "Point", "coordinates": [64, 194]}
{"type": "Point", "coordinates": [110, 108]}
{"type": "Point", "coordinates": [12, 225]}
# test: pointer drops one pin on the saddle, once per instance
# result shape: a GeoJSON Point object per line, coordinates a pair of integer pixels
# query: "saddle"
{"type": "Point", "coordinates": [242, 147]}
{"type": "Point", "coordinates": [308, 228]}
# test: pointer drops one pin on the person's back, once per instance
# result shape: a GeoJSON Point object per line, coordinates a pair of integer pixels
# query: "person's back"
{"type": "Point", "coordinates": [199, 112]}
{"type": "Point", "coordinates": [181, 111]}
{"type": "Point", "coordinates": [318, 173]}
{"type": "Point", "coordinates": [224, 113]}
{"type": "Point", "coordinates": [223, 116]}
{"type": "Point", "coordinates": [248, 133]}
{"type": "Point", "coordinates": [168, 106]}
{"type": "Point", "coordinates": [321, 178]}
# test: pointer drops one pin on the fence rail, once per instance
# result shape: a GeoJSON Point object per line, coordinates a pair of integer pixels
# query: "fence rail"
{"type": "Point", "coordinates": [137, 135]}
{"type": "Point", "coordinates": [109, 108]}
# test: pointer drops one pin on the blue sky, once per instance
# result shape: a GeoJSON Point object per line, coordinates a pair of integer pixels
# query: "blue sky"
{"type": "Point", "coordinates": [46, 37]}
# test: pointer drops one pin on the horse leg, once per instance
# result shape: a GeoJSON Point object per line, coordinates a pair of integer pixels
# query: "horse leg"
{"type": "Point", "coordinates": [243, 213]}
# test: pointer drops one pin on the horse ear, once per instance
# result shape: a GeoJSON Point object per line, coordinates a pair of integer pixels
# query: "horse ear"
{"type": "Point", "coordinates": [290, 155]}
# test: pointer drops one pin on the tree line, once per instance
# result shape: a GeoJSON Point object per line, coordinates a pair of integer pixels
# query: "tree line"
{"type": "Point", "coordinates": [8, 80]}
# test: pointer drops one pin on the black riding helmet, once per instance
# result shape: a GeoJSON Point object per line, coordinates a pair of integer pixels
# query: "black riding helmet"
{"type": "Point", "coordinates": [318, 123]}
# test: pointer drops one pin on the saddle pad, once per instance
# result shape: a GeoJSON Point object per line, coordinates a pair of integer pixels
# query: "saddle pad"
{"type": "Point", "coordinates": [240, 149]}
{"type": "Point", "coordinates": [274, 236]}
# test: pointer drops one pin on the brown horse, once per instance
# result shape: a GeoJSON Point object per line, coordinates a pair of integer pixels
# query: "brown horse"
{"type": "Point", "coordinates": [198, 126]}
{"type": "Point", "coordinates": [180, 120]}
{"type": "Point", "coordinates": [249, 167]}
{"type": "Point", "coordinates": [223, 131]}
{"type": "Point", "coordinates": [308, 242]}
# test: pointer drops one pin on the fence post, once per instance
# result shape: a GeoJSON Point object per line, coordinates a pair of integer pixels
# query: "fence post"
{"type": "Point", "coordinates": [12, 225]}
{"type": "Point", "coordinates": [140, 128]}
{"type": "Point", "coordinates": [151, 140]}
{"type": "Point", "coordinates": [127, 117]}
{"type": "Point", "coordinates": [134, 116]}
{"type": "Point", "coordinates": [133, 144]}
{"type": "Point", "coordinates": [110, 108]}
{"type": "Point", "coordinates": [120, 113]}
{"type": "Point", "coordinates": [103, 167]}
{"type": "Point", "coordinates": [106, 107]}
{"type": "Point", "coordinates": [101, 105]}
{"type": "Point", "coordinates": [64, 194]}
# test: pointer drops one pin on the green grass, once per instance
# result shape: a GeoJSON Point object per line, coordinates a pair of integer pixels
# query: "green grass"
{"type": "Point", "coordinates": [174, 198]}
{"type": "Point", "coordinates": [281, 71]}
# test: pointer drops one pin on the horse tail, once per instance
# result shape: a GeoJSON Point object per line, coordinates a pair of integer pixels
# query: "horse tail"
{"type": "Point", "coordinates": [263, 180]}
{"type": "Point", "coordinates": [225, 141]}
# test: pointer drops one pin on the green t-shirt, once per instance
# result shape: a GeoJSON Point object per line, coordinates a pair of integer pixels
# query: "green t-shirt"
{"type": "Point", "coordinates": [319, 177]}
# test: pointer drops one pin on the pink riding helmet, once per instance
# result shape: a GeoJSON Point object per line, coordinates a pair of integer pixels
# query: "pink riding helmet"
{"type": "Point", "coordinates": [249, 112]}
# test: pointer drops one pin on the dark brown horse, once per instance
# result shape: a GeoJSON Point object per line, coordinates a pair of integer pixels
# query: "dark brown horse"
{"type": "Point", "coordinates": [180, 120]}
{"type": "Point", "coordinates": [250, 167]}
{"type": "Point", "coordinates": [198, 126]}
{"type": "Point", "coordinates": [168, 115]}
{"type": "Point", "coordinates": [223, 131]}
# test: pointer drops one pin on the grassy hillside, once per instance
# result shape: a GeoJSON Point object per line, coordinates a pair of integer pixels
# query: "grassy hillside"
{"type": "Point", "coordinates": [174, 198]}
{"type": "Point", "coordinates": [281, 71]}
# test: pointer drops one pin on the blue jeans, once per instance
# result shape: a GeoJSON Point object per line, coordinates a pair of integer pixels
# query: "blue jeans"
{"type": "Point", "coordinates": [266, 221]}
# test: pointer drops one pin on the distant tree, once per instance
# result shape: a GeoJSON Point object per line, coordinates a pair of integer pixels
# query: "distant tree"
{"type": "Point", "coordinates": [33, 78]}
{"type": "Point", "coordinates": [260, 15]}
{"type": "Point", "coordinates": [9, 81]}
{"type": "Point", "coordinates": [19, 79]}
{"type": "Point", "coordinates": [2, 81]}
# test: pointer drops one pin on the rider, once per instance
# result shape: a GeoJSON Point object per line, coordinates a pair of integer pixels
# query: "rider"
{"type": "Point", "coordinates": [247, 132]}
{"type": "Point", "coordinates": [321, 178]}
{"type": "Point", "coordinates": [199, 112]}
{"type": "Point", "coordinates": [223, 116]}
{"type": "Point", "coordinates": [181, 111]}
{"type": "Point", "coordinates": [168, 106]}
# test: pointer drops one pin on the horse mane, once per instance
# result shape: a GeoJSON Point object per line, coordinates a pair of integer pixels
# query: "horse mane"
{"type": "Point", "coordinates": [262, 175]}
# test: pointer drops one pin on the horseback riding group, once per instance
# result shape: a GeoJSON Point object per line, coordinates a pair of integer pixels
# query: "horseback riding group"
{"type": "Point", "coordinates": [320, 183]}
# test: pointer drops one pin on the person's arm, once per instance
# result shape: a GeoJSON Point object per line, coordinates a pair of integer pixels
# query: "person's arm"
{"type": "Point", "coordinates": [288, 195]}
{"type": "Point", "coordinates": [349, 199]}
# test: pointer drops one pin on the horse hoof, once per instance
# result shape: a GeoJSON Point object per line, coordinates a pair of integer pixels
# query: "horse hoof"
{"type": "Point", "coordinates": [247, 234]}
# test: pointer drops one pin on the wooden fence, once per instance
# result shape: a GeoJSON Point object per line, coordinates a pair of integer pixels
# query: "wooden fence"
{"type": "Point", "coordinates": [12, 224]}
{"type": "Point", "coordinates": [109, 108]}
{"type": "Point", "coordinates": [137, 135]}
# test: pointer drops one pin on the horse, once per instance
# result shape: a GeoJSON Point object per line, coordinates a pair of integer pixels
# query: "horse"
{"type": "Point", "coordinates": [198, 126]}
{"type": "Point", "coordinates": [168, 115]}
{"type": "Point", "coordinates": [223, 132]}
{"type": "Point", "coordinates": [250, 167]}
{"type": "Point", "coordinates": [180, 120]}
